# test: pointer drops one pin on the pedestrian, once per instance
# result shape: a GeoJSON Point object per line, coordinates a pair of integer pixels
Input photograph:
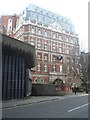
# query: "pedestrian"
{"type": "Point", "coordinates": [75, 89]}
{"type": "Point", "coordinates": [28, 82]}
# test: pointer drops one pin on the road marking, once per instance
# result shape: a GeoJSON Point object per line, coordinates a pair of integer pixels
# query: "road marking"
{"type": "Point", "coordinates": [77, 107]}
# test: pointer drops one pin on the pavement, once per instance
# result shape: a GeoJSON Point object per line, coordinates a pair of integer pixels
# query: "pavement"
{"type": "Point", "coordinates": [33, 100]}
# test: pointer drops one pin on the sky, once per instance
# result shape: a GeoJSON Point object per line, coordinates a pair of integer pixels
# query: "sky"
{"type": "Point", "coordinates": [76, 10]}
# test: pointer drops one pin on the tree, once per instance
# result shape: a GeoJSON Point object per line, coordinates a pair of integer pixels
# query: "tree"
{"type": "Point", "coordinates": [72, 66]}
{"type": "Point", "coordinates": [84, 66]}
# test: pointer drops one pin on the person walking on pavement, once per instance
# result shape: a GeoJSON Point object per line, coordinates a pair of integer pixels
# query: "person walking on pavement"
{"type": "Point", "coordinates": [75, 89]}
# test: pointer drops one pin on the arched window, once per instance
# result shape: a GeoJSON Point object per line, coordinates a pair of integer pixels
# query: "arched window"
{"type": "Point", "coordinates": [9, 26]}
{"type": "Point", "coordinates": [39, 80]}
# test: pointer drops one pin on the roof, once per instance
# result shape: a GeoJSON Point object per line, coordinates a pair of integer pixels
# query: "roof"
{"type": "Point", "coordinates": [18, 48]}
{"type": "Point", "coordinates": [65, 22]}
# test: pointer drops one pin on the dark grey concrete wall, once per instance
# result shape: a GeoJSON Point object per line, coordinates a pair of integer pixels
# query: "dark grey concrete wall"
{"type": "Point", "coordinates": [43, 89]}
{"type": "Point", "coordinates": [46, 90]}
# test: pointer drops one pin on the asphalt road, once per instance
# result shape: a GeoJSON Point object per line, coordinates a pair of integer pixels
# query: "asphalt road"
{"type": "Point", "coordinates": [68, 107]}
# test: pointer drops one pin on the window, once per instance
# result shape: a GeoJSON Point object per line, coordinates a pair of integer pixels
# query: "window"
{"type": "Point", "coordinates": [54, 68]}
{"type": "Point", "coordinates": [60, 50]}
{"type": "Point", "coordinates": [54, 35]}
{"type": "Point", "coordinates": [68, 70]}
{"type": "Point", "coordinates": [62, 19]}
{"type": "Point", "coordinates": [60, 68]}
{"type": "Point", "coordinates": [39, 45]}
{"type": "Point", "coordinates": [59, 37]}
{"type": "Point", "coordinates": [71, 40]}
{"type": "Point", "coordinates": [9, 27]}
{"type": "Point", "coordinates": [33, 30]}
{"type": "Point", "coordinates": [70, 28]}
{"type": "Point", "coordinates": [73, 69]}
{"type": "Point", "coordinates": [45, 46]}
{"type": "Point", "coordinates": [45, 34]}
{"type": "Point", "coordinates": [66, 39]}
{"type": "Point", "coordinates": [32, 42]}
{"type": "Point", "coordinates": [39, 80]}
{"type": "Point", "coordinates": [77, 61]}
{"type": "Point", "coordinates": [38, 66]}
{"type": "Point", "coordinates": [29, 40]}
{"type": "Point", "coordinates": [28, 14]}
{"type": "Point", "coordinates": [43, 19]}
{"type": "Point", "coordinates": [54, 58]}
{"type": "Point", "coordinates": [54, 47]}
{"type": "Point", "coordinates": [67, 51]}
{"type": "Point", "coordinates": [34, 17]}
{"type": "Point", "coordinates": [77, 41]}
{"type": "Point", "coordinates": [39, 32]}
{"type": "Point", "coordinates": [45, 67]}
{"type": "Point", "coordinates": [37, 18]}
{"type": "Point", "coordinates": [42, 12]}
{"type": "Point", "coordinates": [36, 10]}
{"type": "Point", "coordinates": [39, 56]}
{"type": "Point", "coordinates": [29, 28]}
{"type": "Point", "coordinates": [45, 57]}
{"type": "Point", "coordinates": [10, 20]}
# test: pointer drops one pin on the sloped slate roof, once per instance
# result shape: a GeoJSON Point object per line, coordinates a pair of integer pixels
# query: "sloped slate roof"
{"type": "Point", "coordinates": [19, 49]}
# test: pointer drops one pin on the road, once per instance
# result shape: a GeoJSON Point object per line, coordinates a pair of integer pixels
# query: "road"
{"type": "Point", "coordinates": [68, 107]}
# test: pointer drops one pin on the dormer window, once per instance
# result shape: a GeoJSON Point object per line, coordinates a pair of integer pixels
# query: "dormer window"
{"type": "Point", "coordinates": [57, 17]}
{"type": "Point", "coordinates": [36, 10]}
{"type": "Point", "coordinates": [62, 19]}
{"type": "Point", "coordinates": [42, 12]}
{"type": "Point", "coordinates": [71, 28]}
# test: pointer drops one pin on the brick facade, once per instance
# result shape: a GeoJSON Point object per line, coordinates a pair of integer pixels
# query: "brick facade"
{"type": "Point", "coordinates": [8, 22]}
{"type": "Point", "coordinates": [49, 44]}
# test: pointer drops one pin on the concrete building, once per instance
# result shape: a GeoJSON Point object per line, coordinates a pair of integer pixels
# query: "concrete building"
{"type": "Point", "coordinates": [16, 57]}
{"type": "Point", "coordinates": [52, 35]}
{"type": "Point", "coordinates": [8, 24]}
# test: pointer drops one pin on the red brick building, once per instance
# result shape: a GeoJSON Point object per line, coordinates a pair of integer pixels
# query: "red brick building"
{"type": "Point", "coordinates": [50, 40]}
{"type": "Point", "coordinates": [8, 24]}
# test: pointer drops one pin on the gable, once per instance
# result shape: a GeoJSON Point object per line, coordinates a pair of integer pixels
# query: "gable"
{"type": "Point", "coordinates": [56, 25]}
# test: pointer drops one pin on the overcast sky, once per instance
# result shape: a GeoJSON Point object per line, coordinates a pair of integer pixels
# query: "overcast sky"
{"type": "Point", "coordinates": [76, 10]}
